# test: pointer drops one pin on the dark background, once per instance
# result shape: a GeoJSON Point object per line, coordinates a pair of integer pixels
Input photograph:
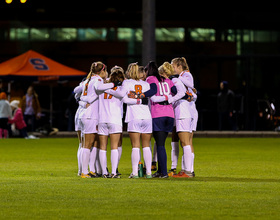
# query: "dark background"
{"type": "Point", "coordinates": [253, 73]}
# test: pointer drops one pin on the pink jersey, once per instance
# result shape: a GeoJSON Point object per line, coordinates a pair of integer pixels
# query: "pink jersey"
{"type": "Point", "coordinates": [163, 88]}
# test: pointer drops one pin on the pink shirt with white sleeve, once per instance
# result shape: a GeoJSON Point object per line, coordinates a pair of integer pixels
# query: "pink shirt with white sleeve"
{"type": "Point", "coordinates": [163, 88]}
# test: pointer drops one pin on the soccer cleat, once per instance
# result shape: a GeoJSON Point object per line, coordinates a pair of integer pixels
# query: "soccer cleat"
{"type": "Point", "coordinates": [156, 175]}
{"type": "Point", "coordinates": [172, 172]}
{"type": "Point", "coordinates": [115, 176]}
{"type": "Point", "coordinates": [154, 166]}
{"type": "Point", "coordinates": [106, 176]}
{"type": "Point", "coordinates": [118, 172]}
{"type": "Point", "coordinates": [149, 176]}
{"type": "Point", "coordinates": [85, 175]}
{"type": "Point", "coordinates": [183, 174]}
{"type": "Point", "coordinates": [193, 174]}
{"type": "Point", "coordinates": [131, 176]}
{"type": "Point", "coordinates": [98, 175]}
{"type": "Point", "coordinates": [92, 174]}
{"type": "Point", "coordinates": [163, 176]}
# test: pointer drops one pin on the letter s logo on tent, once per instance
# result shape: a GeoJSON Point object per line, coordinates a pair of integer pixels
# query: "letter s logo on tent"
{"type": "Point", "coordinates": [38, 64]}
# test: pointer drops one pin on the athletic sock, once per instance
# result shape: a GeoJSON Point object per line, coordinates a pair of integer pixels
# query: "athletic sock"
{"type": "Point", "coordinates": [85, 153]}
{"type": "Point", "coordinates": [192, 167]}
{"type": "Point", "coordinates": [1, 131]}
{"type": "Point", "coordinates": [147, 154]}
{"type": "Point", "coordinates": [187, 154]}
{"type": "Point", "coordinates": [162, 160]}
{"type": "Point", "coordinates": [97, 162]}
{"type": "Point", "coordinates": [114, 160]}
{"type": "Point", "coordinates": [183, 163]}
{"type": "Point", "coordinates": [92, 159]}
{"type": "Point", "coordinates": [79, 158]}
{"type": "Point", "coordinates": [103, 161]}
{"type": "Point", "coordinates": [120, 154]}
{"type": "Point", "coordinates": [155, 153]}
{"type": "Point", "coordinates": [174, 154]}
{"type": "Point", "coordinates": [135, 158]}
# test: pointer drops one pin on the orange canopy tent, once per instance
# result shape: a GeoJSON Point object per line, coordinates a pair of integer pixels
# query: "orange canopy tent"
{"type": "Point", "coordinates": [33, 64]}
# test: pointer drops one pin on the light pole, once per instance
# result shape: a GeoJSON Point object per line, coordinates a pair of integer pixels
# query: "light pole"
{"type": "Point", "coordinates": [148, 27]}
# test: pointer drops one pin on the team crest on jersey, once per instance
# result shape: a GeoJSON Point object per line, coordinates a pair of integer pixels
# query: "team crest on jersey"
{"type": "Point", "coordinates": [99, 79]}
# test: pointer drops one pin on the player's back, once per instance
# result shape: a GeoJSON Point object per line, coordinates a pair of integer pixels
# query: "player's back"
{"type": "Point", "coordinates": [163, 88]}
{"type": "Point", "coordinates": [89, 95]}
{"type": "Point", "coordinates": [137, 111]}
{"type": "Point", "coordinates": [110, 109]}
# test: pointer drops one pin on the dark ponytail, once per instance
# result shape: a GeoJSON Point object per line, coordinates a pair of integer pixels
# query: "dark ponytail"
{"type": "Point", "coordinates": [152, 70]}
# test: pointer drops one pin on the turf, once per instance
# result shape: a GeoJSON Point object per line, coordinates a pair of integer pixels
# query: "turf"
{"type": "Point", "coordinates": [236, 178]}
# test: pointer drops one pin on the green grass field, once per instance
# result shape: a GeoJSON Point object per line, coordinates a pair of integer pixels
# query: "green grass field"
{"type": "Point", "coordinates": [236, 178]}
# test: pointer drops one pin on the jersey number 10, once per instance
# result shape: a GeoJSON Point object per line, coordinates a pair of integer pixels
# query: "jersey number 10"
{"type": "Point", "coordinates": [164, 88]}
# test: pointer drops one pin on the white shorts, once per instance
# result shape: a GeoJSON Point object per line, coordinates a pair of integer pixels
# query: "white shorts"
{"type": "Point", "coordinates": [109, 128]}
{"type": "Point", "coordinates": [78, 124]}
{"type": "Point", "coordinates": [194, 122]}
{"type": "Point", "coordinates": [89, 126]}
{"type": "Point", "coordinates": [184, 125]}
{"type": "Point", "coordinates": [140, 126]}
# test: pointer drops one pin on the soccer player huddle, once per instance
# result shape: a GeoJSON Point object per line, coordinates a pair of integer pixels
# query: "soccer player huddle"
{"type": "Point", "coordinates": [158, 100]}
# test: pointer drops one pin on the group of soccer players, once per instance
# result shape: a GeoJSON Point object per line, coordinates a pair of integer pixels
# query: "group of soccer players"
{"type": "Point", "coordinates": [158, 100]}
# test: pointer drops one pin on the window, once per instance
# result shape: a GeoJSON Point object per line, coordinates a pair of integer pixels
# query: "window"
{"type": "Point", "coordinates": [39, 34]}
{"type": "Point", "coordinates": [200, 34]}
{"type": "Point", "coordinates": [170, 34]}
{"type": "Point", "coordinates": [89, 34]}
{"type": "Point", "coordinates": [19, 33]}
{"type": "Point", "coordinates": [64, 34]}
{"type": "Point", "coordinates": [128, 34]}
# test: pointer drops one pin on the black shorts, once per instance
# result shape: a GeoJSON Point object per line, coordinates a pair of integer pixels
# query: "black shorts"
{"type": "Point", "coordinates": [163, 124]}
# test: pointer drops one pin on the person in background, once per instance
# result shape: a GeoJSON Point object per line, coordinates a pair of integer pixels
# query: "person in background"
{"type": "Point", "coordinates": [225, 101]}
{"type": "Point", "coordinates": [5, 114]}
{"type": "Point", "coordinates": [31, 108]}
{"type": "Point", "coordinates": [17, 120]}
{"type": "Point", "coordinates": [1, 86]}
